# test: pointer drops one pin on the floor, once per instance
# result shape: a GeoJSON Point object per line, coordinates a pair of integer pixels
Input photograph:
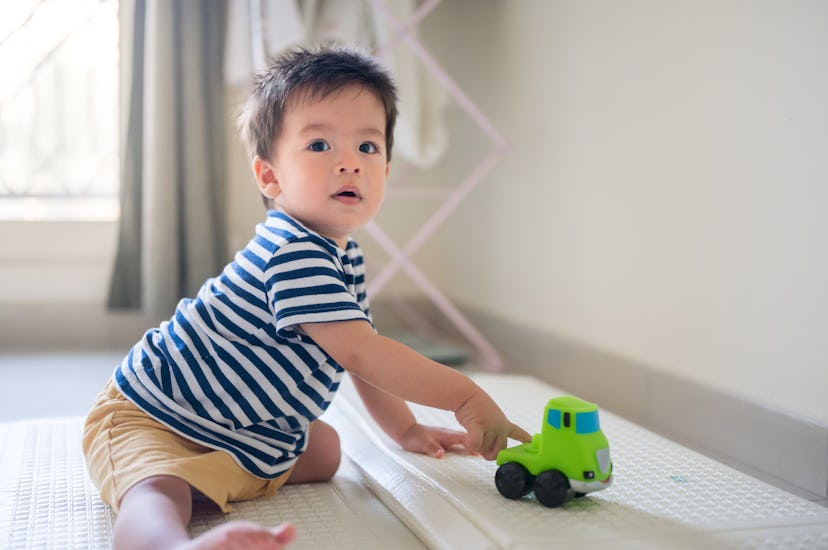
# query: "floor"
{"type": "Point", "coordinates": [51, 384]}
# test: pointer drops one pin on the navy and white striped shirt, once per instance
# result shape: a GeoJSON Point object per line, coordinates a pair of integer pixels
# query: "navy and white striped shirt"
{"type": "Point", "coordinates": [231, 369]}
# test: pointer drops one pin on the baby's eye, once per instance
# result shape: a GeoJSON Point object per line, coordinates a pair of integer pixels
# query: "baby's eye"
{"type": "Point", "coordinates": [368, 147]}
{"type": "Point", "coordinates": [319, 146]}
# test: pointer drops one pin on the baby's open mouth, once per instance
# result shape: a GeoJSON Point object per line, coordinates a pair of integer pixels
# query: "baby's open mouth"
{"type": "Point", "coordinates": [348, 193]}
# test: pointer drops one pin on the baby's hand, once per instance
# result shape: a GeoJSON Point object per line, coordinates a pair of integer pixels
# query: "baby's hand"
{"type": "Point", "coordinates": [430, 440]}
{"type": "Point", "coordinates": [488, 428]}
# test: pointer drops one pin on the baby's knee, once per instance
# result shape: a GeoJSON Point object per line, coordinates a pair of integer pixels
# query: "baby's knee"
{"type": "Point", "coordinates": [321, 458]}
{"type": "Point", "coordinates": [328, 453]}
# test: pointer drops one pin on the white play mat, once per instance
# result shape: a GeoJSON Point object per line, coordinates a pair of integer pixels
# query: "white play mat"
{"type": "Point", "coordinates": [663, 496]}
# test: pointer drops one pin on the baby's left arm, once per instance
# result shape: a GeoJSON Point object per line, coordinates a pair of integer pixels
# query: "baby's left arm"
{"type": "Point", "coordinates": [395, 418]}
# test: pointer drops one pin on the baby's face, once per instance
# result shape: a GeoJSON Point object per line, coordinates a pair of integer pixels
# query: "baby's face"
{"type": "Point", "coordinates": [329, 162]}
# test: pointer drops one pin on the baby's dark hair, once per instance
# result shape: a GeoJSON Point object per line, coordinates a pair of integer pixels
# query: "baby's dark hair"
{"type": "Point", "coordinates": [312, 74]}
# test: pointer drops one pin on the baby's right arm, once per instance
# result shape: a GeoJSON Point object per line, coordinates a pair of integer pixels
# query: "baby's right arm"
{"type": "Point", "coordinates": [401, 371]}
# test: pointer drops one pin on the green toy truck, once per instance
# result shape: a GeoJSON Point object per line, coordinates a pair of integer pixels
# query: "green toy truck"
{"type": "Point", "coordinates": [569, 458]}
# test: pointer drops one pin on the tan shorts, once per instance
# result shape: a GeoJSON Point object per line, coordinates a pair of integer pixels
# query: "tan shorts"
{"type": "Point", "coordinates": [123, 445]}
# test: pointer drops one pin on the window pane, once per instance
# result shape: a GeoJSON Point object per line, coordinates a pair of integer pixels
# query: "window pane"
{"type": "Point", "coordinates": [586, 422]}
{"type": "Point", "coordinates": [58, 100]}
{"type": "Point", "coordinates": [554, 418]}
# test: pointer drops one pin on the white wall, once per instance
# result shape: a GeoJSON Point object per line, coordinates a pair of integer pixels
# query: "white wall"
{"type": "Point", "coordinates": [665, 194]}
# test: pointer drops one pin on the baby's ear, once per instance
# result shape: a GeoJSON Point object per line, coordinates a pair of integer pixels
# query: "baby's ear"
{"type": "Point", "coordinates": [266, 177]}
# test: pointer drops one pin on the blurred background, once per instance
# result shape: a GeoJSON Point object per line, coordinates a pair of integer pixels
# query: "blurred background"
{"type": "Point", "coordinates": [650, 232]}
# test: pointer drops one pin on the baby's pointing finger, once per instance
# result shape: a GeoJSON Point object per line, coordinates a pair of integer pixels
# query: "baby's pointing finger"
{"type": "Point", "coordinates": [519, 434]}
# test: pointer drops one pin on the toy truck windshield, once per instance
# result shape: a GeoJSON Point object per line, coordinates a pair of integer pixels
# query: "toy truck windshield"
{"type": "Point", "coordinates": [586, 422]}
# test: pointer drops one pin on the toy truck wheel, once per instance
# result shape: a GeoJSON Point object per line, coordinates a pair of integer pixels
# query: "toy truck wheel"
{"type": "Point", "coordinates": [513, 480]}
{"type": "Point", "coordinates": [551, 488]}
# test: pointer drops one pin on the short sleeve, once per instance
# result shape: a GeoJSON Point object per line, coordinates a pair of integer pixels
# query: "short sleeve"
{"type": "Point", "coordinates": [307, 283]}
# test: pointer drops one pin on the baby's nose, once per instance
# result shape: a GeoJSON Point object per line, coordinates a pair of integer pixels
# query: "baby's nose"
{"type": "Point", "coordinates": [344, 170]}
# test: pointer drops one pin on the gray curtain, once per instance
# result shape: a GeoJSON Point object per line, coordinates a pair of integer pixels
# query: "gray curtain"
{"type": "Point", "coordinates": [171, 235]}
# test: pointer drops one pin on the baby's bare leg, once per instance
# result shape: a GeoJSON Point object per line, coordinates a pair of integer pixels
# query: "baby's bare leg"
{"type": "Point", "coordinates": [155, 514]}
{"type": "Point", "coordinates": [321, 459]}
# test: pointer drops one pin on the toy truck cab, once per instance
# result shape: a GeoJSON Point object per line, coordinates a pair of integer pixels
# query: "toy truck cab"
{"type": "Point", "coordinates": [570, 457]}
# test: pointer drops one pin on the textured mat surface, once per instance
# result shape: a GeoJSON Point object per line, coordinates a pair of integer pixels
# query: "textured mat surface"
{"type": "Point", "coordinates": [663, 496]}
{"type": "Point", "coordinates": [47, 500]}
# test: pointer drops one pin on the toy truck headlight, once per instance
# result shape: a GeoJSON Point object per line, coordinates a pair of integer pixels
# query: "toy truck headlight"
{"type": "Point", "coordinates": [589, 474]}
{"type": "Point", "coordinates": [603, 456]}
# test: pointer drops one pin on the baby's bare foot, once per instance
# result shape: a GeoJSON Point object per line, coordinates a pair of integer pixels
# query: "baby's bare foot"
{"type": "Point", "coordinates": [243, 535]}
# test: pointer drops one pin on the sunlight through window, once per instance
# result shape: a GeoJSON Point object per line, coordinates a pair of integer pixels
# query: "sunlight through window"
{"type": "Point", "coordinates": [59, 109]}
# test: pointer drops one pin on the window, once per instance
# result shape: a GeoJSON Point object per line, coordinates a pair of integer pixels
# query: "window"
{"type": "Point", "coordinates": [587, 422]}
{"type": "Point", "coordinates": [59, 109]}
{"type": "Point", "coordinates": [554, 418]}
